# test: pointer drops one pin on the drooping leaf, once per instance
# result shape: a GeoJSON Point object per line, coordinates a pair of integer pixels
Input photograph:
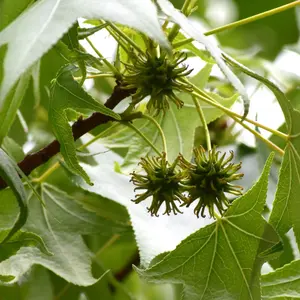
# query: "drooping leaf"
{"type": "Point", "coordinates": [284, 282]}
{"type": "Point", "coordinates": [66, 94]}
{"type": "Point", "coordinates": [59, 224]}
{"type": "Point", "coordinates": [222, 260]}
{"type": "Point", "coordinates": [44, 23]}
{"type": "Point", "coordinates": [11, 176]}
{"type": "Point", "coordinates": [285, 213]}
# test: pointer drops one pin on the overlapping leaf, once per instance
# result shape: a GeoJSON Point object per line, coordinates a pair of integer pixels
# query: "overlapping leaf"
{"type": "Point", "coordinates": [59, 224]}
{"type": "Point", "coordinates": [222, 260]}
{"type": "Point", "coordinates": [66, 94]}
{"type": "Point", "coordinates": [284, 282]}
{"type": "Point", "coordinates": [164, 233]}
{"type": "Point", "coordinates": [285, 213]}
{"type": "Point", "coordinates": [41, 26]}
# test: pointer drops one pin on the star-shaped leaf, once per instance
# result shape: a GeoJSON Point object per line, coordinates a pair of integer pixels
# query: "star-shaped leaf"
{"type": "Point", "coordinates": [222, 260]}
{"type": "Point", "coordinates": [59, 224]}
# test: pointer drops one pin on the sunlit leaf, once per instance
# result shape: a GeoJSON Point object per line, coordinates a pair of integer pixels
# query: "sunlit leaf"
{"type": "Point", "coordinates": [222, 260]}
{"type": "Point", "coordinates": [44, 23]}
{"type": "Point", "coordinates": [10, 10]}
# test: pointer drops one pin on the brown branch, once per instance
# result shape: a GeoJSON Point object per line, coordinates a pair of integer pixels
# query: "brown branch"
{"type": "Point", "coordinates": [79, 128]}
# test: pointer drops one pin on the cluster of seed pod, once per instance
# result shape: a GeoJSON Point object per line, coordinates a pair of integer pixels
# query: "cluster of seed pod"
{"type": "Point", "coordinates": [207, 180]}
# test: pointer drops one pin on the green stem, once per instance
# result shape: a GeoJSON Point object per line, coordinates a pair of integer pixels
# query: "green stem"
{"type": "Point", "coordinates": [232, 115]}
{"type": "Point", "coordinates": [126, 38]}
{"type": "Point", "coordinates": [163, 138]}
{"type": "Point", "coordinates": [254, 18]}
{"type": "Point", "coordinates": [186, 6]}
{"type": "Point", "coordinates": [203, 121]}
{"type": "Point", "coordinates": [98, 136]}
{"type": "Point", "coordinates": [207, 98]}
{"type": "Point", "coordinates": [109, 243]}
{"type": "Point", "coordinates": [102, 75]}
{"type": "Point", "coordinates": [47, 173]}
{"type": "Point", "coordinates": [143, 137]}
{"type": "Point", "coordinates": [118, 40]}
{"type": "Point", "coordinates": [108, 64]}
{"type": "Point", "coordinates": [242, 22]}
{"type": "Point", "coordinates": [258, 135]}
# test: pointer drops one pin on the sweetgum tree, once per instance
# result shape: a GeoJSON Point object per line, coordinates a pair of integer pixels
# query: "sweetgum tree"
{"type": "Point", "coordinates": [126, 175]}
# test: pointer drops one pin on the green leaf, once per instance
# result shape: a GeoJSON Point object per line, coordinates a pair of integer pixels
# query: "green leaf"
{"type": "Point", "coordinates": [10, 10]}
{"type": "Point", "coordinates": [178, 126]}
{"type": "Point", "coordinates": [71, 37]}
{"type": "Point", "coordinates": [284, 282]}
{"type": "Point", "coordinates": [21, 239]}
{"type": "Point", "coordinates": [222, 260]}
{"type": "Point", "coordinates": [86, 32]}
{"type": "Point", "coordinates": [203, 54]}
{"type": "Point", "coordinates": [284, 103]}
{"type": "Point", "coordinates": [66, 93]}
{"type": "Point", "coordinates": [285, 213]}
{"type": "Point", "coordinates": [59, 224]}
{"type": "Point", "coordinates": [12, 104]}
{"type": "Point", "coordinates": [13, 149]}
{"type": "Point", "coordinates": [38, 285]}
{"type": "Point", "coordinates": [35, 286]}
{"type": "Point", "coordinates": [11, 177]}
{"type": "Point", "coordinates": [42, 25]}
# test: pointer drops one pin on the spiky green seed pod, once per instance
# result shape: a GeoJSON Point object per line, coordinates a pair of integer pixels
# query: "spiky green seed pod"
{"type": "Point", "coordinates": [161, 181]}
{"type": "Point", "coordinates": [209, 179]}
{"type": "Point", "coordinates": [157, 77]}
